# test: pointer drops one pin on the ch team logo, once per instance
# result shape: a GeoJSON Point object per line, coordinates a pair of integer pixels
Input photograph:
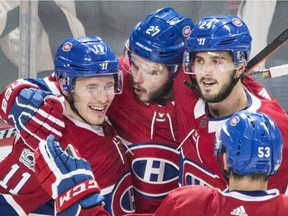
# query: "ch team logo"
{"type": "Point", "coordinates": [194, 174]}
{"type": "Point", "coordinates": [154, 168]}
{"type": "Point", "coordinates": [67, 46]}
{"type": "Point", "coordinates": [121, 199]}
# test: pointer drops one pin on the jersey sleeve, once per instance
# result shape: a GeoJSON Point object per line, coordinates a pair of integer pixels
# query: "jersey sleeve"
{"type": "Point", "coordinates": [19, 188]}
{"type": "Point", "coordinates": [9, 206]}
{"type": "Point", "coordinates": [271, 107]}
{"type": "Point", "coordinates": [8, 96]}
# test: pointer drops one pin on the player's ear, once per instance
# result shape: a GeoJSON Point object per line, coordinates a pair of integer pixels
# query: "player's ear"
{"type": "Point", "coordinates": [241, 68]}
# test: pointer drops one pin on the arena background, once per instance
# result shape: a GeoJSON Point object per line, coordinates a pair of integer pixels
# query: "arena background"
{"type": "Point", "coordinates": [30, 31]}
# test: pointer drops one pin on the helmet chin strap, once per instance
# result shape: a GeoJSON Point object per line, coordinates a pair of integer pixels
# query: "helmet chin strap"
{"type": "Point", "coordinates": [225, 173]}
{"type": "Point", "coordinates": [73, 108]}
{"type": "Point", "coordinates": [70, 100]}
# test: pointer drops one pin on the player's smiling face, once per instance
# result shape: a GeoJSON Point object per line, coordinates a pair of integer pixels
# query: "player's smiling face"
{"type": "Point", "coordinates": [149, 79]}
{"type": "Point", "coordinates": [214, 73]}
{"type": "Point", "coordinates": [92, 97]}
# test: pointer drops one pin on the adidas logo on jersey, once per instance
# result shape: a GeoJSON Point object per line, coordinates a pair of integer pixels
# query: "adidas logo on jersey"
{"type": "Point", "coordinates": [264, 94]}
{"type": "Point", "coordinates": [240, 211]}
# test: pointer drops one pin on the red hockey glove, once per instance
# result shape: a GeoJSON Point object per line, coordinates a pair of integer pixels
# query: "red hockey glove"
{"type": "Point", "coordinates": [36, 114]}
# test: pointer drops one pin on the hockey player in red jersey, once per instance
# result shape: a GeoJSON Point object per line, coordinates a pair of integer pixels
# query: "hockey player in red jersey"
{"type": "Point", "coordinates": [144, 114]}
{"type": "Point", "coordinates": [216, 57]}
{"type": "Point", "coordinates": [249, 149]}
{"type": "Point", "coordinates": [88, 75]}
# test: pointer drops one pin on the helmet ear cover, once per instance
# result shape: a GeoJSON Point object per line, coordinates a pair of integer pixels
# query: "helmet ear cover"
{"type": "Point", "coordinates": [252, 142]}
{"type": "Point", "coordinates": [84, 57]}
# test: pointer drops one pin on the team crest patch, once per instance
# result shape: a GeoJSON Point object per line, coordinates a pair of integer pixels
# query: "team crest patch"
{"type": "Point", "coordinates": [234, 121]}
{"type": "Point", "coordinates": [27, 158]}
{"type": "Point", "coordinates": [186, 31]}
{"type": "Point", "coordinates": [122, 197]}
{"type": "Point", "coordinates": [155, 169]}
{"type": "Point", "coordinates": [67, 47]}
{"type": "Point", "coordinates": [237, 22]}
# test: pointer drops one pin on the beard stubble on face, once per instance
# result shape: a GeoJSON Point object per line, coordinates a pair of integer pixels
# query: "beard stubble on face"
{"type": "Point", "coordinates": [217, 97]}
{"type": "Point", "coordinates": [159, 96]}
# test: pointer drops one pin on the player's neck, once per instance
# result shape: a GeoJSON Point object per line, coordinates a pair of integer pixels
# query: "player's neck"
{"type": "Point", "coordinates": [236, 101]}
{"type": "Point", "coordinates": [247, 184]}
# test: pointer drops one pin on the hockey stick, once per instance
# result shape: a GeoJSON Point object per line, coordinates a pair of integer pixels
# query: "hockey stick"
{"type": "Point", "coordinates": [272, 72]}
{"type": "Point", "coordinates": [267, 51]}
{"type": "Point", "coordinates": [6, 132]}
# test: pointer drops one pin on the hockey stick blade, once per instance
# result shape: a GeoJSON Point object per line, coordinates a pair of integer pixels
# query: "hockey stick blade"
{"type": "Point", "coordinates": [267, 51]}
{"type": "Point", "coordinates": [7, 132]}
{"type": "Point", "coordinates": [272, 72]}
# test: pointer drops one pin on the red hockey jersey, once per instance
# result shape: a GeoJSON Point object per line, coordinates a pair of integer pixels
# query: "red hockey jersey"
{"type": "Point", "coordinates": [201, 200]}
{"type": "Point", "coordinates": [99, 145]}
{"type": "Point", "coordinates": [150, 131]}
{"type": "Point", "coordinates": [198, 165]}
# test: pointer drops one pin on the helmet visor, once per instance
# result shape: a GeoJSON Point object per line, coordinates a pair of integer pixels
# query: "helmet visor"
{"type": "Point", "coordinates": [110, 88]}
{"type": "Point", "coordinates": [211, 62]}
{"type": "Point", "coordinates": [140, 67]}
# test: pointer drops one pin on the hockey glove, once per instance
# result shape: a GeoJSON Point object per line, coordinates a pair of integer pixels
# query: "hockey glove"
{"type": "Point", "coordinates": [68, 179]}
{"type": "Point", "coordinates": [35, 114]}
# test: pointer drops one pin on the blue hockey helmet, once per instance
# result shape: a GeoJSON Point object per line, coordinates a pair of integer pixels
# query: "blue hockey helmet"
{"type": "Point", "coordinates": [220, 33]}
{"type": "Point", "coordinates": [252, 142]}
{"type": "Point", "coordinates": [160, 37]}
{"type": "Point", "coordinates": [84, 57]}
